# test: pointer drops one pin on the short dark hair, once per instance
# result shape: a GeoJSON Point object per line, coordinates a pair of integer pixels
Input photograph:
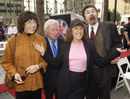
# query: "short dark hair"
{"type": "Point", "coordinates": [88, 6]}
{"type": "Point", "coordinates": [74, 23]}
{"type": "Point", "coordinates": [24, 17]}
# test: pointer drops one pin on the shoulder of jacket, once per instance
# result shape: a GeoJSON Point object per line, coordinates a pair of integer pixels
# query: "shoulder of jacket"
{"type": "Point", "coordinates": [38, 35]}
{"type": "Point", "coordinates": [41, 39]}
{"type": "Point", "coordinates": [12, 38]}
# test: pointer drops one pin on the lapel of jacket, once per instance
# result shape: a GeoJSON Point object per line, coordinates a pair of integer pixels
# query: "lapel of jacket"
{"type": "Point", "coordinates": [105, 33]}
{"type": "Point", "coordinates": [59, 42]}
{"type": "Point", "coordinates": [87, 32]}
{"type": "Point", "coordinates": [86, 44]}
{"type": "Point", "coordinates": [48, 46]}
{"type": "Point", "coordinates": [99, 29]}
{"type": "Point", "coordinates": [67, 50]}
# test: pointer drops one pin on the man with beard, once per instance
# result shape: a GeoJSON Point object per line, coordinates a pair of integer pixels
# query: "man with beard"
{"type": "Point", "coordinates": [104, 38]}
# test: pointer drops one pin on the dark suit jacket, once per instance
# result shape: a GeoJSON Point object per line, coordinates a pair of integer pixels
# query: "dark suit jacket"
{"type": "Point", "coordinates": [111, 40]}
{"type": "Point", "coordinates": [102, 70]}
{"type": "Point", "coordinates": [64, 72]}
{"type": "Point", "coordinates": [54, 65]}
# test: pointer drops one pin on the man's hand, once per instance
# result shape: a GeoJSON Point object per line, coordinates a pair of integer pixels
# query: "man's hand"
{"type": "Point", "coordinates": [114, 61]}
{"type": "Point", "coordinates": [121, 50]}
{"type": "Point", "coordinates": [39, 48]}
{"type": "Point", "coordinates": [32, 69]}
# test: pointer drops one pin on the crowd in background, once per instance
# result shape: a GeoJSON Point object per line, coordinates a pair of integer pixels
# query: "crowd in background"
{"type": "Point", "coordinates": [7, 31]}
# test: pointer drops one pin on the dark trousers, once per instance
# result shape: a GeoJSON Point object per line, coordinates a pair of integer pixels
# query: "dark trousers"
{"type": "Point", "coordinates": [50, 93]}
{"type": "Point", "coordinates": [77, 85]}
{"type": "Point", "coordinates": [51, 78]}
{"type": "Point", "coordinates": [100, 84]}
{"type": "Point", "coordinates": [99, 92]}
{"type": "Point", "coordinates": [29, 94]}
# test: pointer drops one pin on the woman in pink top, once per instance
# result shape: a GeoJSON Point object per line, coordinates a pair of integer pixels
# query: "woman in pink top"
{"type": "Point", "coordinates": [76, 60]}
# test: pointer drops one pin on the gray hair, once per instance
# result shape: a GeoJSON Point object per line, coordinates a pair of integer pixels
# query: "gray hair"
{"type": "Point", "coordinates": [49, 23]}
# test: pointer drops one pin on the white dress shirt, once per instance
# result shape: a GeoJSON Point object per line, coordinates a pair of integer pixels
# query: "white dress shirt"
{"type": "Point", "coordinates": [95, 27]}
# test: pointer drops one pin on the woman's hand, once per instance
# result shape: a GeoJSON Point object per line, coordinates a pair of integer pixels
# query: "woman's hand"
{"type": "Point", "coordinates": [39, 48]}
{"type": "Point", "coordinates": [18, 79]}
{"type": "Point", "coordinates": [128, 43]}
{"type": "Point", "coordinates": [32, 69]}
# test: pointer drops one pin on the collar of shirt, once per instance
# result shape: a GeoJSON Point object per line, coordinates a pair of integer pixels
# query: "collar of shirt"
{"type": "Point", "coordinates": [50, 40]}
{"type": "Point", "coordinates": [95, 27]}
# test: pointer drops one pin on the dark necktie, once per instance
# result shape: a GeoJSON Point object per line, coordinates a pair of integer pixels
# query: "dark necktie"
{"type": "Point", "coordinates": [54, 48]}
{"type": "Point", "coordinates": [92, 33]}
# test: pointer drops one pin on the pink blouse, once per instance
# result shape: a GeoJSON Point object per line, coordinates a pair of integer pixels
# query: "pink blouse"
{"type": "Point", "coordinates": [77, 57]}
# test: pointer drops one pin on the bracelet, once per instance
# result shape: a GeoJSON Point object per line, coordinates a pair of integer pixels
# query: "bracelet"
{"type": "Point", "coordinates": [40, 66]}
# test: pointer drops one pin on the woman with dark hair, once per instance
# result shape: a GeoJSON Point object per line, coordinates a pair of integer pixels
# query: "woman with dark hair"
{"type": "Point", "coordinates": [76, 61]}
{"type": "Point", "coordinates": [22, 61]}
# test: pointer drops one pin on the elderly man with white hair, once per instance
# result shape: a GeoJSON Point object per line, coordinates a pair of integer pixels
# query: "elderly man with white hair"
{"type": "Point", "coordinates": [52, 56]}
